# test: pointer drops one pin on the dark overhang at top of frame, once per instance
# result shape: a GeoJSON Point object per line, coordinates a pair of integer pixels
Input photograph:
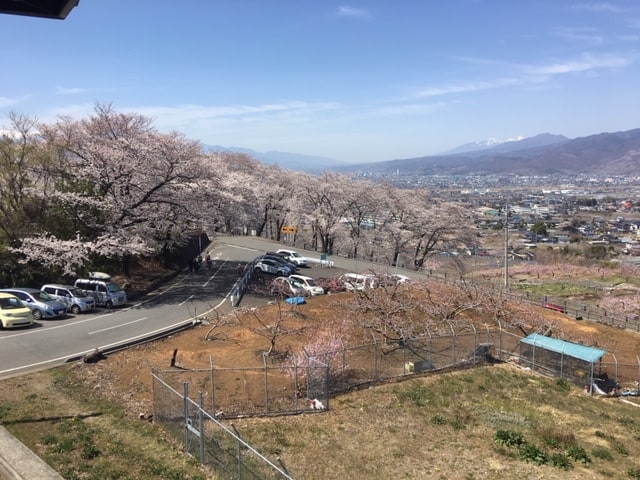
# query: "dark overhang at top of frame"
{"type": "Point", "coordinates": [58, 9]}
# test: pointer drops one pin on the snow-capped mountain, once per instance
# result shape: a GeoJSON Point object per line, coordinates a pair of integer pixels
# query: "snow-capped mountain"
{"type": "Point", "coordinates": [481, 145]}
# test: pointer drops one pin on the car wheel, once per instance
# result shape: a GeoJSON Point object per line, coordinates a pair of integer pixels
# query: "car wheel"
{"type": "Point", "coordinates": [75, 309]}
{"type": "Point", "coordinates": [37, 314]}
{"type": "Point", "coordinates": [109, 304]}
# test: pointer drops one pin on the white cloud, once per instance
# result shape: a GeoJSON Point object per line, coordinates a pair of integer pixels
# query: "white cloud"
{"type": "Point", "coordinates": [6, 102]}
{"type": "Point", "coordinates": [584, 36]}
{"type": "Point", "coordinates": [586, 63]}
{"type": "Point", "coordinates": [467, 87]}
{"type": "Point", "coordinates": [199, 112]}
{"type": "Point", "coordinates": [603, 7]}
{"type": "Point", "coordinates": [531, 75]}
{"type": "Point", "coordinates": [74, 111]}
{"type": "Point", "coordinates": [69, 91]}
{"type": "Point", "coordinates": [347, 11]}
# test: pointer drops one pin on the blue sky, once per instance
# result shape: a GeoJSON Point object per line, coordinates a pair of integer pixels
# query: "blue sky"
{"type": "Point", "coordinates": [362, 81]}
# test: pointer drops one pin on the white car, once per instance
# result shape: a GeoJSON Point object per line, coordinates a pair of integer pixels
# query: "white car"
{"type": "Point", "coordinates": [293, 257]}
{"type": "Point", "coordinates": [357, 281]}
{"type": "Point", "coordinates": [399, 278]}
{"type": "Point", "coordinates": [287, 287]}
{"type": "Point", "coordinates": [270, 266]}
{"type": "Point", "coordinates": [309, 285]}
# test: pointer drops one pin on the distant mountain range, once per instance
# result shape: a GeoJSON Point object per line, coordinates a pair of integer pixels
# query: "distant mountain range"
{"type": "Point", "coordinates": [605, 154]}
{"type": "Point", "coordinates": [290, 161]}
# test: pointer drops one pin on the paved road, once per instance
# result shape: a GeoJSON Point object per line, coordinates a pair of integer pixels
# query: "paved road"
{"type": "Point", "coordinates": [191, 295]}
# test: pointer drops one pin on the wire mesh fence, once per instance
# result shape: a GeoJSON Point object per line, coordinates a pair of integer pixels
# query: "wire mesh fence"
{"type": "Point", "coordinates": [211, 396]}
{"type": "Point", "coordinates": [216, 445]}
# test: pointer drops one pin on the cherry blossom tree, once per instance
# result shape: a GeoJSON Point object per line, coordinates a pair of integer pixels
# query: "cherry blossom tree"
{"type": "Point", "coordinates": [324, 206]}
{"type": "Point", "coordinates": [126, 189]}
{"type": "Point", "coordinates": [22, 171]}
{"type": "Point", "coordinates": [436, 225]}
{"type": "Point", "coordinates": [235, 208]}
{"type": "Point", "coordinates": [361, 214]}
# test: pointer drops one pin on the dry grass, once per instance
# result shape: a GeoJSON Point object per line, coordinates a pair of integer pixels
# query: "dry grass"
{"type": "Point", "coordinates": [437, 426]}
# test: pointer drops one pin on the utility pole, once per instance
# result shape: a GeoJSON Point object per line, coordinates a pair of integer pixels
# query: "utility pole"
{"type": "Point", "coordinates": [506, 247]}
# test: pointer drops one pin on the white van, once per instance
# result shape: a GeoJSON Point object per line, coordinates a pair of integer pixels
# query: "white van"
{"type": "Point", "coordinates": [103, 289]}
{"type": "Point", "coordinates": [357, 281]}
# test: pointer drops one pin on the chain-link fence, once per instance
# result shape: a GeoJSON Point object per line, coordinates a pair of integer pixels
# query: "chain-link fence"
{"type": "Point", "coordinates": [285, 387]}
{"type": "Point", "coordinates": [278, 388]}
{"type": "Point", "coordinates": [217, 446]}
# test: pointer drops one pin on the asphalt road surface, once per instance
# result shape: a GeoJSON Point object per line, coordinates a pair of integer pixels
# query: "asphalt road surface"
{"type": "Point", "coordinates": [176, 305]}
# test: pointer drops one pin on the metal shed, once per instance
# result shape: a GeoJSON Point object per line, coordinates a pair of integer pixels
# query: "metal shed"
{"type": "Point", "coordinates": [559, 358]}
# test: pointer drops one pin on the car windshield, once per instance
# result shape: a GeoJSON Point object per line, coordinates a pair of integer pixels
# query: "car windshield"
{"type": "Point", "coordinates": [43, 296]}
{"type": "Point", "coordinates": [113, 287]}
{"type": "Point", "coordinates": [9, 303]}
{"type": "Point", "coordinates": [76, 292]}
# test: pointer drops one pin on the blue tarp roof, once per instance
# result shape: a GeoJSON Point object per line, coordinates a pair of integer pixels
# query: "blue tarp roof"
{"type": "Point", "coordinates": [588, 354]}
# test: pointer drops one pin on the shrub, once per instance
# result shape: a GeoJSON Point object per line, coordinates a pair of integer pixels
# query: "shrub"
{"type": "Point", "coordinates": [561, 461]}
{"type": "Point", "coordinates": [533, 454]}
{"type": "Point", "coordinates": [634, 473]}
{"type": "Point", "coordinates": [438, 420]}
{"type": "Point", "coordinates": [509, 438]}
{"type": "Point", "coordinates": [578, 454]}
{"type": "Point", "coordinates": [417, 393]}
{"type": "Point", "coordinates": [602, 453]}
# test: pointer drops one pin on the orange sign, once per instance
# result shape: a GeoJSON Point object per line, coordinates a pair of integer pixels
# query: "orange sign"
{"type": "Point", "coordinates": [288, 229]}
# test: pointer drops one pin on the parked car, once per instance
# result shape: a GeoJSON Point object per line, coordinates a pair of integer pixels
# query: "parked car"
{"type": "Point", "coordinates": [287, 287]}
{"type": "Point", "coordinates": [397, 278]}
{"type": "Point", "coordinates": [267, 265]}
{"type": "Point", "coordinates": [293, 257]}
{"type": "Point", "coordinates": [103, 289]}
{"type": "Point", "coordinates": [42, 304]}
{"type": "Point", "coordinates": [331, 284]}
{"type": "Point", "coordinates": [309, 285]}
{"type": "Point", "coordinates": [14, 313]}
{"type": "Point", "coordinates": [358, 281]}
{"type": "Point", "coordinates": [75, 299]}
{"type": "Point", "coordinates": [556, 307]}
{"type": "Point", "coordinates": [279, 259]}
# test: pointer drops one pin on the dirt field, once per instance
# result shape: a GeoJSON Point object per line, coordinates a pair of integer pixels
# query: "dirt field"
{"type": "Point", "coordinates": [125, 378]}
{"type": "Point", "coordinates": [126, 374]}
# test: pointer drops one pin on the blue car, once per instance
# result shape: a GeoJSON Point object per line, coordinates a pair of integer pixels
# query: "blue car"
{"type": "Point", "coordinates": [41, 304]}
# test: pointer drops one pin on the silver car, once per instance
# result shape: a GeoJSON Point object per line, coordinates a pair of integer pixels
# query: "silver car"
{"type": "Point", "coordinates": [42, 304]}
{"type": "Point", "coordinates": [75, 299]}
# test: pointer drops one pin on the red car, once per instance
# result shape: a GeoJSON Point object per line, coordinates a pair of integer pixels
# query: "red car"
{"type": "Point", "coordinates": [557, 308]}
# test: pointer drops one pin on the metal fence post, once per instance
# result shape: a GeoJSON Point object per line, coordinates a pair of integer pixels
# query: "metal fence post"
{"type": "Point", "coordinates": [326, 386]}
{"type": "Point", "coordinates": [239, 451]}
{"type": "Point", "coordinates": [201, 427]}
{"type": "Point", "coordinates": [266, 383]}
{"type": "Point", "coordinates": [375, 357]}
{"type": "Point", "coordinates": [475, 343]}
{"type": "Point", "coordinates": [213, 386]}
{"type": "Point", "coordinates": [453, 343]}
{"type": "Point", "coordinates": [185, 401]}
{"type": "Point", "coordinates": [404, 353]}
{"type": "Point", "coordinates": [296, 386]}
